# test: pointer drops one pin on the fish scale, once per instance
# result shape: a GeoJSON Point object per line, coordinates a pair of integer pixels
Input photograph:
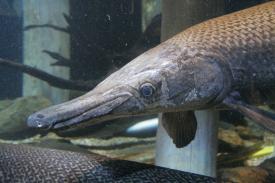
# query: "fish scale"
{"type": "Point", "coordinates": [223, 63]}
{"type": "Point", "coordinates": [23, 163]}
{"type": "Point", "coordinates": [250, 59]}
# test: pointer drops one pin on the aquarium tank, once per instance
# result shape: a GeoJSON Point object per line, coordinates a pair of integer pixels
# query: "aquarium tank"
{"type": "Point", "coordinates": [137, 91]}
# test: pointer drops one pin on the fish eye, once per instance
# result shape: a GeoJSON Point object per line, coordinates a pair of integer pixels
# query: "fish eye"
{"type": "Point", "coordinates": [147, 89]}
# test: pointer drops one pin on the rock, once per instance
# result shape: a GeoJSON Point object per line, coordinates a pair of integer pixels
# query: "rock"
{"type": "Point", "coordinates": [230, 136]}
{"type": "Point", "coordinates": [255, 128]}
{"type": "Point", "coordinates": [4, 104]}
{"type": "Point", "coordinates": [143, 153]}
{"type": "Point", "coordinates": [238, 157]}
{"type": "Point", "coordinates": [127, 148]}
{"type": "Point", "coordinates": [60, 144]}
{"type": "Point", "coordinates": [51, 140]}
{"type": "Point", "coordinates": [244, 175]}
{"type": "Point", "coordinates": [13, 116]}
{"type": "Point", "coordinates": [234, 150]}
{"type": "Point", "coordinates": [248, 133]}
{"type": "Point", "coordinates": [226, 126]}
{"type": "Point", "coordinates": [112, 143]}
{"type": "Point", "coordinates": [269, 164]}
{"type": "Point", "coordinates": [264, 173]}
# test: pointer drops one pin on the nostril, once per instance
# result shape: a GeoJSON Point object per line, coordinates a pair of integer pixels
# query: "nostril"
{"type": "Point", "coordinates": [39, 124]}
{"type": "Point", "coordinates": [35, 121]}
{"type": "Point", "coordinates": [40, 116]}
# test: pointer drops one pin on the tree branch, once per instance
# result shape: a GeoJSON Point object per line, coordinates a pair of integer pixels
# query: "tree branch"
{"type": "Point", "coordinates": [61, 61]}
{"type": "Point", "coordinates": [50, 79]}
{"type": "Point", "coordinates": [47, 26]}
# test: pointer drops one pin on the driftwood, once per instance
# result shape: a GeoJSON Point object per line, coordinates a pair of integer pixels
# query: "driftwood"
{"type": "Point", "coordinates": [61, 61]}
{"type": "Point", "coordinates": [71, 28]}
{"type": "Point", "coordinates": [46, 26]}
{"type": "Point", "coordinates": [148, 39]}
{"type": "Point", "coordinates": [51, 79]}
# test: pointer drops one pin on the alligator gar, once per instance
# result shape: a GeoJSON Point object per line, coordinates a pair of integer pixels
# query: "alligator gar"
{"type": "Point", "coordinates": [227, 61]}
{"type": "Point", "coordinates": [22, 163]}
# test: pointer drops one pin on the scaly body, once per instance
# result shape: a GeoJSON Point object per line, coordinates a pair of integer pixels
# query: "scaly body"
{"type": "Point", "coordinates": [22, 163]}
{"type": "Point", "coordinates": [229, 60]}
{"type": "Point", "coordinates": [243, 43]}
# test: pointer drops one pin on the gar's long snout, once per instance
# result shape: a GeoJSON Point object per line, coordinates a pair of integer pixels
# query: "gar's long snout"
{"type": "Point", "coordinates": [89, 106]}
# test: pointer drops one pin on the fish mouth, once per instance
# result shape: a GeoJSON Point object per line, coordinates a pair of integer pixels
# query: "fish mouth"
{"type": "Point", "coordinates": [97, 114]}
{"type": "Point", "coordinates": [62, 119]}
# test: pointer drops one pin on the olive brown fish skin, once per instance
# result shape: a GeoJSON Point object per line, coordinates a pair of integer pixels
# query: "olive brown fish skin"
{"type": "Point", "coordinates": [23, 163]}
{"type": "Point", "coordinates": [196, 69]}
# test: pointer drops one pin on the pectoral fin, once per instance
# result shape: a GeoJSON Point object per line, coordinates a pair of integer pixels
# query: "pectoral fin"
{"type": "Point", "coordinates": [180, 126]}
{"type": "Point", "coordinates": [263, 118]}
